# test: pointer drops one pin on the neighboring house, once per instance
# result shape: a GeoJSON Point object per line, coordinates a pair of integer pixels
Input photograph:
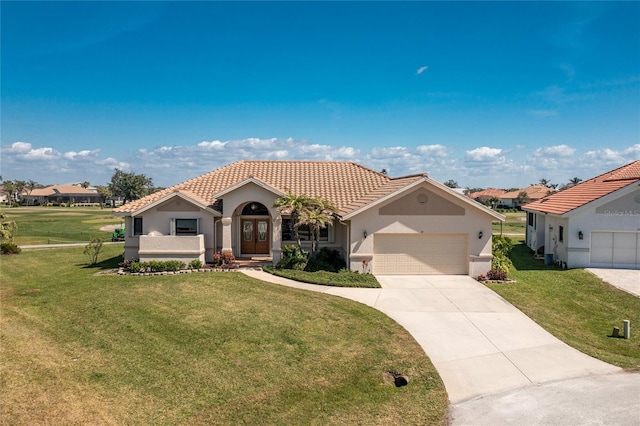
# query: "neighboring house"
{"type": "Point", "coordinates": [4, 195]}
{"type": "Point", "coordinates": [534, 192]}
{"type": "Point", "coordinates": [595, 223]}
{"type": "Point", "coordinates": [57, 194]}
{"type": "Point", "coordinates": [487, 194]}
{"type": "Point", "coordinates": [406, 225]}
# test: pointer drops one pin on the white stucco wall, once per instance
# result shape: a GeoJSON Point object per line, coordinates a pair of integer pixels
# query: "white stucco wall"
{"type": "Point", "coordinates": [472, 222]}
{"type": "Point", "coordinates": [170, 247]}
{"type": "Point", "coordinates": [617, 212]}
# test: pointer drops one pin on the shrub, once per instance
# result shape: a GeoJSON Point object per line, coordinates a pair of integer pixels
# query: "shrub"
{"type": "Point", "coordinates": [326, 260]}
{"type": "Point", "coordinates": [93, 250]}
{"type": "Point", "coordinates": [135, 267]}
{"type": "Point", "coordinates": [292, 258]}
{"type": "Point", "coordinates": [195, 264]}
{"type": "Point", "coordinates": [501, 248]}
{"type": "Point", "coordinates": [9, 248]}
{"type": "Point", "coordinates": [496, 274]}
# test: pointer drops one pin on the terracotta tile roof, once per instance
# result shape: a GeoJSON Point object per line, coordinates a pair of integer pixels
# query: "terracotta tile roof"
{"type": "Point", "coordinates": [488, 193]}
{"type": "Point", "coordinates": [587, 191]}
{"type": "Point", "coordinates": [534, 192]}
{"type": "Point", "coordinates": [60, 189]}
{"type": "Point", "coordinates": [347, 184]}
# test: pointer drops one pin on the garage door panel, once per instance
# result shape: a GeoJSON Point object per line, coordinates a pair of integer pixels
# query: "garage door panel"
{"type": "Point", "coordinates": [615, 249]}
{"type": "Point", "coordinates": [420, 254]}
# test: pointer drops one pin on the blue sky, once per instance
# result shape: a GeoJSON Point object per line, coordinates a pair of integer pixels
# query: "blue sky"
{"type": "Point", "coordinates": [488, 94]}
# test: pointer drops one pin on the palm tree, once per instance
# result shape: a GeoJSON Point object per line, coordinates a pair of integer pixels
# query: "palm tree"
{"type": "Point", "coordinates": [295, 206]}
{"type": "Point", "coordinates": [317, 216]}
{"type": "Point", "coordinates": [313, 212]}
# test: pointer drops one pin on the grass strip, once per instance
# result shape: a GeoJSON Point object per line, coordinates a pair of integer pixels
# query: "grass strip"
{"type": "Point", "coordinates": [575, 306]}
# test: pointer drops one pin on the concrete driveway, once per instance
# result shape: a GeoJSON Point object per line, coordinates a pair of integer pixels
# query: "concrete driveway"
{"type": "Point", "coordinates": [625, 279]}
{"type": "Point", "coordinates": [492, 358]}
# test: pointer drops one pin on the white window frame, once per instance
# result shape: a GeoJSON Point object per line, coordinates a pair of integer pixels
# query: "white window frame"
{"type": "Point", "coordinates": [175, 219]}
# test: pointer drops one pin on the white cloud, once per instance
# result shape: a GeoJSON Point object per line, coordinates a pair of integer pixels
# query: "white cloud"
{"type": "Point", "coordinates": [20, 147]}
{"type": "Point", "coordinates": [432, 150]}
{"type": "Point", "coordinates": [484, 154]}
{"type": "Point", "coordinates": [555, 151]}
{"type": "Point", "coordinates": [83, 155]}
{"type": "Point", "coordinates": [421, 69]}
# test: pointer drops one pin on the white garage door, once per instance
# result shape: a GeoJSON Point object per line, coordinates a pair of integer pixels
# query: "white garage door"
{"type": "Point", "coordinates": [417, 254]}
{"type": "Point", "coordinates": [615, 249]}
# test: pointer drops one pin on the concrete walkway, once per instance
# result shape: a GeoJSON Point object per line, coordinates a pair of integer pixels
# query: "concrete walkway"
{"type": "Point", "coordinates": [480, 344]}
{"type": "Point", "coordinates": [625, 279]}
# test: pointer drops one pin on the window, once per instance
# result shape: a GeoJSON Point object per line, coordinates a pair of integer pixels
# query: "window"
{"type": "Point", "coordinates": [561, 233]}
{"type": "Point", "coordinates": [303, 232]}
{"type": "Point", "coordinates": [186, 226]}
{"type": "Point", "coordinates": [530, 219]}
{"type": "Point", "coordinates": [137, 226]}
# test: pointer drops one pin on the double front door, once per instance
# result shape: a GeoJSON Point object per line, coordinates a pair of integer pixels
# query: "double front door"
{"type": "Point", "coordinates": [255, 236]}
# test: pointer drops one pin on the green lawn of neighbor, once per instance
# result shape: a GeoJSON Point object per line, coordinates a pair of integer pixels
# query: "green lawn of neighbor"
{"type": "Point", "coordinates": [54, 225]}
{"type": "Point", "coordinates": [575, 306]}
{"type": "Point", "coordinates": [80, 345]}
{"type": "Point", "coordinates": [514, 224]}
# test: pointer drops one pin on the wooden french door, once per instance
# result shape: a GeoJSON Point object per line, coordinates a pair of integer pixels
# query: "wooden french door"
{"type": "Point", "coordinates": [255, 236]}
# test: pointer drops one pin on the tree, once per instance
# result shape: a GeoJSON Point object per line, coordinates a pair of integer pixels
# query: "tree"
{"type": "Point", "coordinates": [294, 205]}
{"type": "Point", "coordinates": [105, 193]}
{"type": "Point", "coordinates": [30, 186]}
{"type": "Point", "coordinates": [523, 198]}
{"type": "Point", "coordinates": [19, 187]}
{"type": "Point", "coordinates": [7, 228]}
{"type": "Point", "coordinates": [468, 190]}
{"type": "Point", "coordinates": [451, 183]}
{"type": "Point", "coordinates": [85, 184]}
{"type": "Point", "coordinates": [10, 187]}
{"type": "Point", "coordinates": [318, 215]}
{"type": "Point", "coordinates": [315, 213]}
{"type": "Point", "coordinates": [130, 186]}
{"type": "Point", "coordinates": [493, 202]}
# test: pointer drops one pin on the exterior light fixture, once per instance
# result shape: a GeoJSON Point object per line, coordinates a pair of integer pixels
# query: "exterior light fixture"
{"type": "Point", "coordinates": [365, 234]}
{"type": "Point", "coordinates": [580, 235]}
{"type": "Point", "coordinates": [480, 234]}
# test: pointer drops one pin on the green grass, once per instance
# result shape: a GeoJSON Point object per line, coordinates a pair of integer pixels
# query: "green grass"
{"type": "Point", "coordinates": [514, 224]}
{"type": "Point", "coordinates": [576, 306]}
{"type": "Point", "coordinates": [340, 279]}
{"type": "Point", "coordinates": [79, 344]}
{"type": "Point", "coordinates": [53, 225]}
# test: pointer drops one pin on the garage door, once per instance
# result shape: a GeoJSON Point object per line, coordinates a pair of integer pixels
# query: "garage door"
{"type": "Point", "coordinates": [418, 254]}
{"type": "Point", "coordinates": [615, 249]}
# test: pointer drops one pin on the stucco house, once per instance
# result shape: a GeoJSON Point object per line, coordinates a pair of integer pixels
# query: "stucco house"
{"type": "Point", "coordinates": [487, 194]}
{"type": "Point", "coordinates": [405, 225]}
{"type": "Point", "coordinates": [595, 223]}
{"type": "Point", "coordinates": [511, 199]}
{"type": "Point", "coordinates": [57, 194]}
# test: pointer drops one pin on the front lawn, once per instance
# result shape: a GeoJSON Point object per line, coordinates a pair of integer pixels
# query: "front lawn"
{"type": "Point", "coordinates": [337, 279]}
{"type": "Point", "coordinates": [80, 345]}
{"type": "Point", "coordinates": [575, 306]}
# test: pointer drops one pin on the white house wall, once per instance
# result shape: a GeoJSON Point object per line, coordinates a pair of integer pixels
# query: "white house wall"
{"type": "Point", "coordinates": [471, 222]}
{"type": "Point", "coordinates": [622, 214]}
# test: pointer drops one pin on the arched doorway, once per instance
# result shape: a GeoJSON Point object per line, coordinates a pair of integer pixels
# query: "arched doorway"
{"type": "Point", "coordinates": [255, 230]}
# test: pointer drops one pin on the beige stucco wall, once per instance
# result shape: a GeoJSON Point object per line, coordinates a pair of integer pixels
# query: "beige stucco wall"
{"type": "Point", "coordinates": [471, 222]}
{"type": "Point", "coordinates": [235, 201]}
{"type": "Point", "coordinates": [157, 221]}
{"type": "Point", "coordinates": [171, 247]}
